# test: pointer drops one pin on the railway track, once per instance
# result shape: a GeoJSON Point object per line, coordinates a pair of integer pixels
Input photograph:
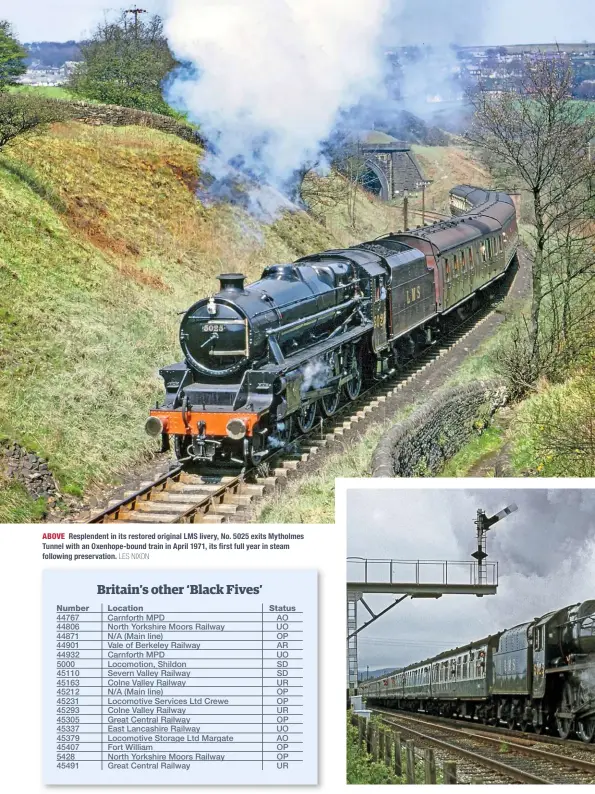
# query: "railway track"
{"type": "Point", "coordinates": [490, 759]}
{"type": "Point", "coordinates": [179, 496]}
{"type": "Point", "coordinates": [566, 746]}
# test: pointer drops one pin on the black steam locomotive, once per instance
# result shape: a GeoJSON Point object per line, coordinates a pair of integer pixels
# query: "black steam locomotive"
{"type": "Point", "coordinates": [262, 361]}
{"type": "Point", "coordinates": [538, 675]}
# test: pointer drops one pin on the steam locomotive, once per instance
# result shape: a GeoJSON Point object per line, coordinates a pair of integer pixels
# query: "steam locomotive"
{"type": "Point", "coordinates": [538, 675]}
{"type": "Point", "coordinates": [262, 361]}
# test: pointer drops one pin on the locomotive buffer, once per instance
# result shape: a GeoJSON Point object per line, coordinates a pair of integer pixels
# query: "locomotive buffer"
{"type": "Point", "coordinates": [481, 578]}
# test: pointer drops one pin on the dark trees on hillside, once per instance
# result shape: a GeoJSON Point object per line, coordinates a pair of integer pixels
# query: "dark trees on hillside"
{"type": "Point", "coordinates": [125, 63]}
{"type": "Point", "coordinates": [539, 139]}
{"type": "Point", "coordinates": [12, 56]}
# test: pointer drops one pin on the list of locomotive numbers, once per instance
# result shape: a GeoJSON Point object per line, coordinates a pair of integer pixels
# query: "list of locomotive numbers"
{"type": "Point", "coordinates": [183, 677]}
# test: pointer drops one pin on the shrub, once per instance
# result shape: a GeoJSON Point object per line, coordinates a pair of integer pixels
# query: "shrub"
{"type": "Point", "coordinates": [22, 113]}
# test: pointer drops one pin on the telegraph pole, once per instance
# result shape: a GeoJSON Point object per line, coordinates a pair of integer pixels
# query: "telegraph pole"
{"type": "Point", "coordinates": [135, 12]}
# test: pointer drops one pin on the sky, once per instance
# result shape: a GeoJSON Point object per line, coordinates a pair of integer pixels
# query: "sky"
{"type": "Point", "coordinates": [545, 552]}
{"type": "Point", "coordinates": [504, 21]}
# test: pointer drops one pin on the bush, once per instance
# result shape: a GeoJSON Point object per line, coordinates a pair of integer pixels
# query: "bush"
{"type": "Point", "coordinates": [360, 766]}
{"type": "Point", "coordinates": [23, 113]}
{"type": "Point", "coordinates": [555, 430]}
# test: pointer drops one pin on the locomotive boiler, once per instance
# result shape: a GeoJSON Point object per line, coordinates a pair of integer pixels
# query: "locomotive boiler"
{"type": "Point", "coordinates": [262, 361]}
{"type": "Point", "coordinates": [539, 675]}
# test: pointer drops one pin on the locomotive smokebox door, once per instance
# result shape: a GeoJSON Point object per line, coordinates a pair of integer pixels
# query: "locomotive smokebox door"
{"type": "Point", "coordinates": [379, 302]}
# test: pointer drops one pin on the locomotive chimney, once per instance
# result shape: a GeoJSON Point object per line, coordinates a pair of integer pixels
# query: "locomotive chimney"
{"type": "Point", "coordinates": [232, 282]}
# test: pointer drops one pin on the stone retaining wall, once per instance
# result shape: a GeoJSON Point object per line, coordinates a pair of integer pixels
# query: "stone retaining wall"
{"type": "Point", "coordinates": [117, 116]}
{"type": "Point", "coordinates": [421, 444]}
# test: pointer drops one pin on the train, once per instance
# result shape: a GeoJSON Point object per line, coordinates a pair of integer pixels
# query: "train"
{"type": "Point", "coordinates": [262, 362]}
{"type": "Point", "coordinates": [539, 675]}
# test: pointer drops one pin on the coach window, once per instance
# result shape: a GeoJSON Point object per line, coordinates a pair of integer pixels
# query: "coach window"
{"type": "Point", "coordinates": [465, 666]}
{"type": "Point", "coordinates": [447, 268]}
{"type": "Point", "coordinates": [470, 253]}
{"type": "Point", "coordinates": [463, 261]}
{"type": "Point", "coordinates": [483, 252]}
{"type": "Point", "coordinates": [458, 667]}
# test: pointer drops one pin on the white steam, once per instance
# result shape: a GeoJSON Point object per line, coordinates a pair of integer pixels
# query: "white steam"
{"type": "Point", "coordinates": [270, 81]}
{"type": "Point", "coordinates": [317, 374]}
{"type": "Point", "coordinates": [270, 78]}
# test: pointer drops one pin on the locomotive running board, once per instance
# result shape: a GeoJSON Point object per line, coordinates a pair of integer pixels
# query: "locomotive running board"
{"type": "Point", "coordinates": [305, 355]}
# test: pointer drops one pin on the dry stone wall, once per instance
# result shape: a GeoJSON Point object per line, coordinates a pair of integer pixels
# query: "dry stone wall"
{"type": "Point", "coordinates": [421, 444]}
{"type": "Point", "coordinates": [116, 116]}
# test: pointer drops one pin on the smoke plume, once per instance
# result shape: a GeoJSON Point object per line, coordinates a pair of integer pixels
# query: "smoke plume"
{"type": "Point", "coordinates": [269, 78]}
{"type": "Point", "coordinates": [269, 81]}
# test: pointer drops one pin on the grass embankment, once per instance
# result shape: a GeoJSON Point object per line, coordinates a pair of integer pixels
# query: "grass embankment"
{"type": "Point", "coordinates": [102, 243]}
{"type": "Point", "coordinates": [446, 166]}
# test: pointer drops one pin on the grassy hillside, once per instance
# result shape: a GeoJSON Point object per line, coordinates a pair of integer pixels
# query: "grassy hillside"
{"type": "Point", "coordinates": [102, 243]}
{"type": "Point", "coordinates": [447, 166]}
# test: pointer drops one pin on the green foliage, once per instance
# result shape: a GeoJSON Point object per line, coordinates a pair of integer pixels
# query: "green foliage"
{"type": "Point", "coordinates": [490, 440]}
{"type": "Point", "coordinates": [554, 431]}
{"type": "Point", "coordinates": [125, 64]}
{"type": "Point", "coordinates": [421, 468]}
{"type": "Point", "coordinates": [16, 506]}
{"type": "Point", "coordinates": [12, 56]}
{"type": "Point", "coordinates": [361, 769]}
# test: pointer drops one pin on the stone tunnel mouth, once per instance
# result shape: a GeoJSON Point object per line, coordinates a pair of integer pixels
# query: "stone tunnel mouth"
{"type": "Point", "coordinates": [371, 183]}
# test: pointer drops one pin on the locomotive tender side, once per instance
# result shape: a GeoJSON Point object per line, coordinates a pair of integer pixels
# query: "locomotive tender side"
{"type": "Point", "coordinates": [262, 361]}
{"type": "Point", "coordinates": [539, 674]}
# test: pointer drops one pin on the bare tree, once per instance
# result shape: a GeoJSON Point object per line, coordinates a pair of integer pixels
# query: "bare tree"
{"type": "Point", "coordinates": [540, 138]}
{"type": "Point", "coordinates": [349, 176]}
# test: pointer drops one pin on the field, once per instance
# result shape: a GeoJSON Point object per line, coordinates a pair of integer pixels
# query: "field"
{"type": "Point", "coordinates": [51, 92]}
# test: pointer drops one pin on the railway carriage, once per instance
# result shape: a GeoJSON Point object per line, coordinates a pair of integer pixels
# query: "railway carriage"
{"type": "Point", "coordinates": [262, 361]}
{"type": "Point", "coordinates": [539, 674]}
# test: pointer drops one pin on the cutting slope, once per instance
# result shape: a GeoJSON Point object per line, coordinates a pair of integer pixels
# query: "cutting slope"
{"type": "Point", "coordinates": [102, 243]}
